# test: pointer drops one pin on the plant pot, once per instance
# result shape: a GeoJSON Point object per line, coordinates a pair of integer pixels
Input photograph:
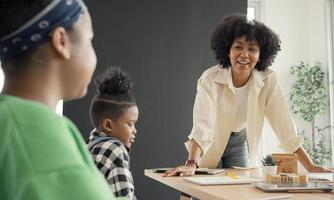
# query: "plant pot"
{"type": "Point", "coordinates": [265, 170]}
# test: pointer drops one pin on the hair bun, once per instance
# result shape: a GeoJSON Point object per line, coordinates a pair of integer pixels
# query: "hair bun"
{"type": "Point", "coordinates": [114, 81]}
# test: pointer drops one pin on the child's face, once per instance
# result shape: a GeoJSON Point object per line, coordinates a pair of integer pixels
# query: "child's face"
{"type": "Point", "coordinates": [124, 127]}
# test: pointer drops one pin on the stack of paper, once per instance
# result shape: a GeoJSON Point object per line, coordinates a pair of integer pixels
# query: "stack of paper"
{"type": "Point", "coordinates": [220, 180]}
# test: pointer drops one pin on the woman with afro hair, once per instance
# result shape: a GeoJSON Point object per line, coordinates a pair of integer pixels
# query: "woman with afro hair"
{"type": "Point", "coordinates": [233, 98]}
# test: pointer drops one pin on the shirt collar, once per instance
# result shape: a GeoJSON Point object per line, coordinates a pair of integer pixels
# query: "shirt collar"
{"type": "Point", "coordinates": [224, 76]}
{"type": "Point", "coordinates": [95, 133]}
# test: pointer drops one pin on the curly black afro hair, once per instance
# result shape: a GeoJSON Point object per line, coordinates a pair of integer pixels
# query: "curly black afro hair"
{"type": "Point", "coordinates": [113, 95]}
{"type": "Point", "coordinates": [114, 82]}
{"type": "Point", "coordinates": [235, 26]}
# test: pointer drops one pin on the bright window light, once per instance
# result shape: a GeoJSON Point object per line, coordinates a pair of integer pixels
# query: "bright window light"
{"type": "Point", "coordinates": [253, 9]}
{"type": "Point", "coordinates": [59, 108]}
{"type": "Point", "coordinates": [250, 13]}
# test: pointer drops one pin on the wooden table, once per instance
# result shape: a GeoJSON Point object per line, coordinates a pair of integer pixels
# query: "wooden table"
{"type": "Point", "coordinates": [228, 192]}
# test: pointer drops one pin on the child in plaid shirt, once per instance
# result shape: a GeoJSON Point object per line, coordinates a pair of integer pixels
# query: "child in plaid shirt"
{"type": "Point", "coordinates": [114, 113]}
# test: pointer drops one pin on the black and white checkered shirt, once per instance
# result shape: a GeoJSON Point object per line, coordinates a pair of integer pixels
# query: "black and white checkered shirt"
{"type": "Point", "coordinates": [112, 159]}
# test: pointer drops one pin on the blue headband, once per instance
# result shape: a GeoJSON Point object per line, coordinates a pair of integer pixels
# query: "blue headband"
{"type": "Point", "coordinates": [37, 30]}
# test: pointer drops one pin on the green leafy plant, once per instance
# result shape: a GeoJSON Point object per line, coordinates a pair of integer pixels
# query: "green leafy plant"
{"type": "Point", "coordinates": [307, 100]}
{"type": "Point", "coordinates": [321, 153]}
{"type": "Point", "coordinates": [268, 161]}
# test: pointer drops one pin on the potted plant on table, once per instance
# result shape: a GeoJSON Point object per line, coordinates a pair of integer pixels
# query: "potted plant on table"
{"type": "Point", "coordinates": [269, 165]}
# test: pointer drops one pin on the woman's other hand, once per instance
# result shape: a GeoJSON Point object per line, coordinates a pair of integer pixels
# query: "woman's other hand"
{"type": "Point", "coordinates": [319, 169]}
{"type": "Point", "coordinates": [308, 163]}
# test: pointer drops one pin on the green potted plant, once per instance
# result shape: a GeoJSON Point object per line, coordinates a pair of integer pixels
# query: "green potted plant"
{"type": "Point", "coordinates": [268, 161]}
{"type": "Point", "coordinates": [269, 166]}
{"type": "Point", "coordinates": [307, 100]}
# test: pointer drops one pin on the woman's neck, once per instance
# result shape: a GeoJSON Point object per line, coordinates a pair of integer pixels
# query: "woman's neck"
{"type": "Point", "coordinates": [240, 79]}
{"type": "Point", "coordinates": [34, 89]}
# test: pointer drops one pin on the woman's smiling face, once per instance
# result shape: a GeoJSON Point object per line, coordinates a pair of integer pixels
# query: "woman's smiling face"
{"type": "Point", "coordinates": [244, 55]}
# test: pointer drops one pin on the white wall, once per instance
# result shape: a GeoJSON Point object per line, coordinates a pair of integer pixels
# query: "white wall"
{"type": "Point", "coordinates": [301, 25]}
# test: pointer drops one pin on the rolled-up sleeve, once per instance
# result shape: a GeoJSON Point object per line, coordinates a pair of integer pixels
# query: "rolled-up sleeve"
{"type": "Point", "coordinates": [204, 113]}
{"type": "Point", "coordinates": [280, 118]}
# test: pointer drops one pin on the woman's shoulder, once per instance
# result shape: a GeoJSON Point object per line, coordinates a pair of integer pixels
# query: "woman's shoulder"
{"type": "Point", "coordinates": [269, 72]}
{"type": "Point", "coordinates": [210, 74]}
{"type": "Point", "coordinates": [212, 71]}
{"type": "Point", "coordinates": [266, 78]}
{"type": "Point", "coordinates": [266, 75]}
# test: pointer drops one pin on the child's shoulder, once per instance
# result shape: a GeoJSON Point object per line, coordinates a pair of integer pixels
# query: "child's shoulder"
{"type": "Point", "coordinates": [112, 146]}
{"type": "Point", "coordinates": [114, 143]}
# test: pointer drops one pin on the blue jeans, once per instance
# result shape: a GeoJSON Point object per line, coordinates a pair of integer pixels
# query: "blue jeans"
{"type": "Point", "coordinates": [236, 151]}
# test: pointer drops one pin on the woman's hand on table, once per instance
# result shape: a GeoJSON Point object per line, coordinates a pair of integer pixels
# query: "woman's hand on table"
{"type": "Point", "coordinates": [181, 170]}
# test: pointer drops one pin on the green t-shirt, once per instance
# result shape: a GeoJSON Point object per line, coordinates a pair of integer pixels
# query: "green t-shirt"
{"type": "Point", "coordinates": [43, 156]}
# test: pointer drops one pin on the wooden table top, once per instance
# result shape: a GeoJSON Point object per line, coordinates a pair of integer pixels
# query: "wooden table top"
{"type": "Point", "coordinates": [230, 192]}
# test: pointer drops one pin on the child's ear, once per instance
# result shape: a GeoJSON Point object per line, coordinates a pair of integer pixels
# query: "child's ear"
{"type": "Point", "coordinates": [107, 125]}
{"type": "Point", "coordinates": [61, 43]}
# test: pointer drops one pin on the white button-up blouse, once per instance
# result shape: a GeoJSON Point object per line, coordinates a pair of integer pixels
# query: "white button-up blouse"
{"type": "Point", "coordinates": [215, 111]}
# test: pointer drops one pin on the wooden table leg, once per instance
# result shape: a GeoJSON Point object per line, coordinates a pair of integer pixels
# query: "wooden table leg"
{"type": "Point", "coordinates": [185, 196]}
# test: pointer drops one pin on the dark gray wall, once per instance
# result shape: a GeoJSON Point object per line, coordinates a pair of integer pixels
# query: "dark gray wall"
{"type": "Point", "coordinates": [164, 45]}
